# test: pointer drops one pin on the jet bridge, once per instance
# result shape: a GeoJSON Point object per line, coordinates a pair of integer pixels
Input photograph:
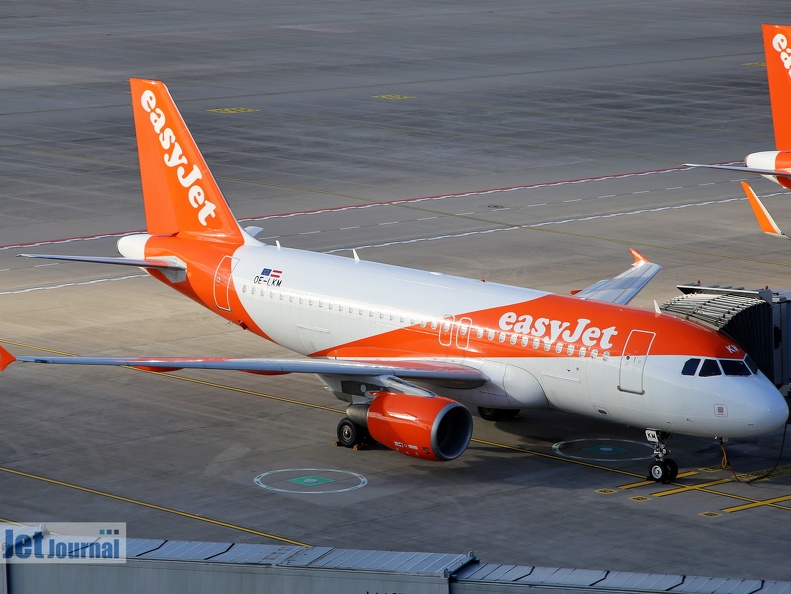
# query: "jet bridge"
{"type": "Point", "coordinates": [759, 320]}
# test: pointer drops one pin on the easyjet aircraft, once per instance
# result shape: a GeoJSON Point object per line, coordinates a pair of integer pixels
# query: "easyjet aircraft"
{"type": "Point", "coordinates": [774, 165]}
{"type": "Point", "coordinates": [405, 347]}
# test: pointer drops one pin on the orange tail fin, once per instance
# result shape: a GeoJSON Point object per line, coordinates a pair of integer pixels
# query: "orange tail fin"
{"type": "Point", "coordinates": [777, 46]}
{"type": "Point", "coordinates": [180, 194]}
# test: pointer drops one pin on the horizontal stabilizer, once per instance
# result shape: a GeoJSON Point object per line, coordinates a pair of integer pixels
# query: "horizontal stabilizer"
{"type": "Point", "coordinates": [623, 288]}
{"type": "Point", "coordinates": [159, 264]}
{"type": "Point", "coordinates": [418, 370]}
{"type": "Point", "coordinates": [750, 170]}
{"type": "Point", "coordinates": [765, 220]}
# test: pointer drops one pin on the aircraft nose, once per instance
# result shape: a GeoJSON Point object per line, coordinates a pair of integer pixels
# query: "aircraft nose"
{"type": "Point", "coordinates": [767, 410]}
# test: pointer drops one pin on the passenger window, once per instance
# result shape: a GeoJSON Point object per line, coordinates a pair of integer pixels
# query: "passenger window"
{"type": "Point", "coordinates": [690, 367]}
{"type": "Point", "coordinates": [709, 368]}
{"type": "Point", "coordinates": [480, 333]}
{"type": "Point", "coordinates": [734, 367]}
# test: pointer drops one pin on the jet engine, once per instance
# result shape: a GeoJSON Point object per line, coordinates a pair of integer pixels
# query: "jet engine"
{"type": "Point", "coordinates": [772, 160]}
{"type": "Point", "coordinates": [427, 427]}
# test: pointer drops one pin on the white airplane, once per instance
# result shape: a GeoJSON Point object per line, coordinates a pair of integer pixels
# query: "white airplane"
{"type": "Point", "coordinates": [405, 347]}
{"type": "Point", "coordinates": [773, 165]}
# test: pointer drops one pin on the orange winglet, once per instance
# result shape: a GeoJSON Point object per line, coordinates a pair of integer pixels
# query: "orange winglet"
{"type": "Point", "coordinates": [6, 358]}
{"type": "Point", "coordinates": [638, 257]}
{"type": "Point", "coordinates": [765, 220]}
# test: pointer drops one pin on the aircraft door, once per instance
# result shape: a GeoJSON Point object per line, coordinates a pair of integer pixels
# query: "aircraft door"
{"type": "Point", "coordinates": [222, 282]}
{"type": "Point", "coordinates": [635, 354]}
{"type": "Point", "coordinates": [446, 329]}
{"type": "Point", "coordinates": [463, 333]}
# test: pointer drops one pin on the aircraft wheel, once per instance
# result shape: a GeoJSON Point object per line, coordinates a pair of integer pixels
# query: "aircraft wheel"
{"type": "Point", "coordinates": [497, 414]}
{"type": "Point", "coordinates": [659, 472]}
{"type": "Point", "coordinates": [350, 434]}
{"type": "Point", "coordinates": [672, 469]}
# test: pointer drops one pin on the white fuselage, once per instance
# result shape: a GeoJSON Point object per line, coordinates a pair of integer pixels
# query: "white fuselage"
{"type": "Point", "coordinates": [538, 349]}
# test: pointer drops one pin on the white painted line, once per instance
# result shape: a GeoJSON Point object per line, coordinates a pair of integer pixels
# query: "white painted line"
{"type": "Point", "coordinates": [544, 224]}
{"type": "Point", "coordinates": [707, 184]}
{"type": "Point", "coordinates": [427, 218]}
{"type": "Point", "coordinates": [309, 232]}
{"type": "Point", "coordinates": [574, 200]}
{"type": "Point", "coordinates": [91, 282]}
{"type": "Point", "coordinates": [347, 228]}
{"type": "Point", "coordinates": [539, 204]}
{"type": "Point", "coordinates": [390, 223]}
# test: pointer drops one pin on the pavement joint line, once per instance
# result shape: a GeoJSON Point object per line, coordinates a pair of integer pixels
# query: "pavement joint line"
{"type": "Point", "coordinates": [152, 506]}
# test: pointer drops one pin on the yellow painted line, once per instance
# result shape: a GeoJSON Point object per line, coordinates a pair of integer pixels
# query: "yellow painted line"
{"type": "Point", "coordinates": [393, 97]}
{"type": "Point", "coordinates": [153, 506]}
{"type": "Point", "coordinates": [756, 504]}
{"type": "Point", "coordinates": [552, 457]}
{"type": "Point", "coordinates": [233, 110]}
{"type": "Point", "coordinates": [243, 391]}
{"type": "Point", "coordinates": [647, 483]}
{"type": "Point", "coordinates": [755, 64]}
{"type": "Point", "coordinates": [691, 487]}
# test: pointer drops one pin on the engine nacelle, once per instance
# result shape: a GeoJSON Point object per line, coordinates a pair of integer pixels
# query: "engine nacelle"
{"type": "Point", "coordinates": [431, 428]}
{"type": "Point", "coordinates": [772, 160]}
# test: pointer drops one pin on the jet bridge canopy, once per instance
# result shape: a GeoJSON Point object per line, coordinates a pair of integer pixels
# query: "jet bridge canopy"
{"type": "Point", "coordinates": [757, 319]}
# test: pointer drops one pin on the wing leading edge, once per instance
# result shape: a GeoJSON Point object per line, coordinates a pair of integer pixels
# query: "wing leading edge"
{"type": "Point", "coordinates": [416, 370]}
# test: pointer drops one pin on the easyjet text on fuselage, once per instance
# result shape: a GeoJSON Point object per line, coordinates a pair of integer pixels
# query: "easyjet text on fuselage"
{"type": "Point", "coordinates": [555, 330]}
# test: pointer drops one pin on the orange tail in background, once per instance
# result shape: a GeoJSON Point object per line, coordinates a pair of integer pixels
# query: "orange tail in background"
{"type": "Point", "coordinates": [777, 46]}
{"type": "Point", "coordinates": [180, 194]}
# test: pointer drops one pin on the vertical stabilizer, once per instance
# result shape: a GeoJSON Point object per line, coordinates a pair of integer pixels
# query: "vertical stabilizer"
{"type": "Point", "coordinates": [777, 46]}
{"type": "Point", "coordinates": [180, 194]}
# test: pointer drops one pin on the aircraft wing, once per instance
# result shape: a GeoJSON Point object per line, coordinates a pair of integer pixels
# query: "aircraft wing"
{"type": "Point", "coordinates": [765, 220]}
{"type": "Point", "coordinates": [623, 288]}
{"type": "Point", "coordinates": [416, 370]}
{"type": "Point", "coordinates": [751, 170]}
{"type": "Point", "coordinates": [160, 264]}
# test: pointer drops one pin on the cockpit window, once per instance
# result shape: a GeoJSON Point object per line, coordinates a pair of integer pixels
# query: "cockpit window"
{"type": "Point", "coordinates": [751, 364]}
{"type": "Point", "coordinates": [734, 367]}
{"type": "Point", "coordinates": [710, 367]}
{"type": "Point", "coordinates": [690, 367]}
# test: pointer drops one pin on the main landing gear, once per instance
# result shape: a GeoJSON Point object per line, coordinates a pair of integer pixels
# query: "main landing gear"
{"type": "Point", "coordinates": [497, 414]}
{"type": "Point", "coordinates": [352, 435]}
{"type": "Point", "coordinates": [663, 470]}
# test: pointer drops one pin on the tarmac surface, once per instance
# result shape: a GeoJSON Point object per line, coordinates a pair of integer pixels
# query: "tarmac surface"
{"type": "Point", "coordinates": [526, 143]}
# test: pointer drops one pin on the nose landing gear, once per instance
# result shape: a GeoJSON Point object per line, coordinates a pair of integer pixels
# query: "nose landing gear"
{"type": "Point", "coordinates": [663, 470]}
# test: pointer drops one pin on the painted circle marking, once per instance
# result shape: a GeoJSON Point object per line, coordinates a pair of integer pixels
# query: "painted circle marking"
{"type": "Point", "coordinates": [618, 450]}
{"type": "Point", "coordinates": [306, 480]}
